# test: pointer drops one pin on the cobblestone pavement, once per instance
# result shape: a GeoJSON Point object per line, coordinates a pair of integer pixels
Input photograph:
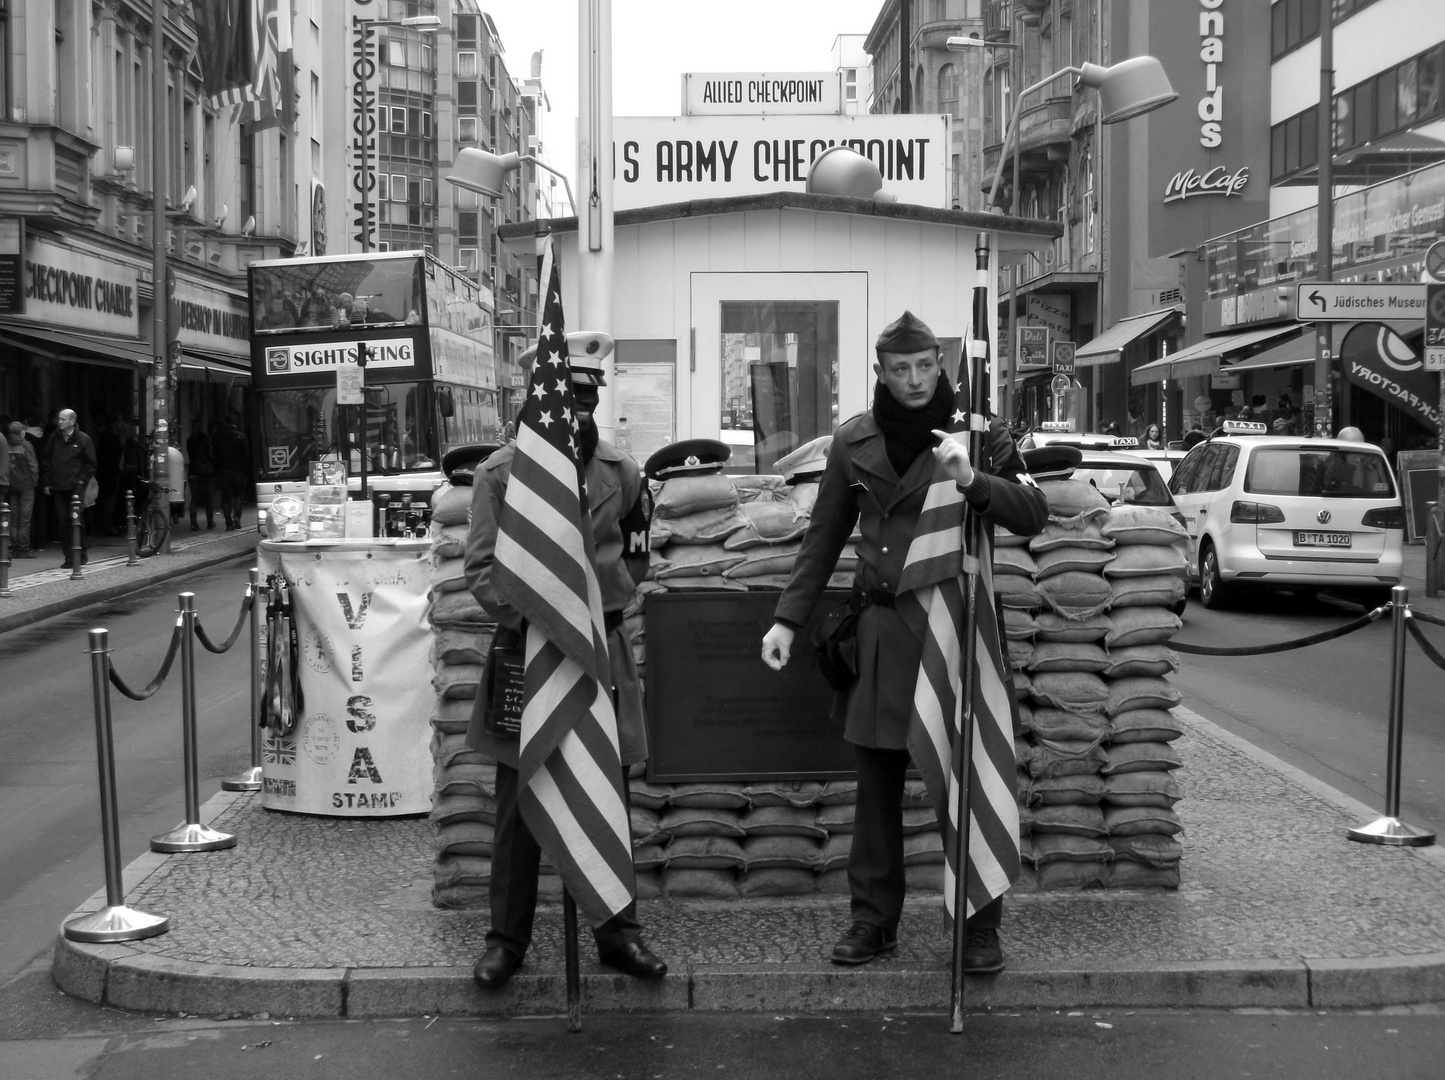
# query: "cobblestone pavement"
{"type": "Point", "coordinates": [1275, 907]}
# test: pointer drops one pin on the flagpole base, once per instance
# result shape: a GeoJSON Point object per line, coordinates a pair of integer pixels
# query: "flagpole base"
{"type": "Point", "coordinates": [1392, 831]}
{"type": "Point", "coordinates": [192, 837]}
{"type": "Point", "coordinates": [119, 923]}
{"type": "Point", "coordinates": [245, 780]}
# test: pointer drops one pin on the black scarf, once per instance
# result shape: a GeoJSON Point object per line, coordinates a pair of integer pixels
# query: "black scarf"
{"type": "Point", "coordinates": [908, 432]}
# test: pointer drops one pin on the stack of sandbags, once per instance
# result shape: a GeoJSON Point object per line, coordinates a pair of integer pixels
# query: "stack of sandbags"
{"type": "Point", "coordinates": [464, 799]}
{"type": "Point", "coordinates": [1087, 619]}
{"type": "Point", "coordinates": [777, 838]}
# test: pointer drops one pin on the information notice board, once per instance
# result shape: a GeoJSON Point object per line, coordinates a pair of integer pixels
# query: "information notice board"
{"type": "Point", "coordinates": [1419, 485]}
{"type": "Point", "coordinates": [716, 712]}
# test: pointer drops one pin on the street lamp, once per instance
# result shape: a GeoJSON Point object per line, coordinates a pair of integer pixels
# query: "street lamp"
{"type": "Point", "coordinates": [483, 172]}
{"type": "Point", "coordinates": [422, 24]}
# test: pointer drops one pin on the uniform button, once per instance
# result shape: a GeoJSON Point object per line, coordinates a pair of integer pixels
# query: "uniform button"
{"type": "Point", "coordinates": [883, 584]}
{"type": "Point", "coordinates": [885, 551]}
{"type": "Point", "coordinates": [885, 517]}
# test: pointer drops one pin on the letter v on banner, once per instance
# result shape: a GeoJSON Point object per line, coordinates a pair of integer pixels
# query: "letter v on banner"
{"type": "Point", "coordinates": [356, 619]}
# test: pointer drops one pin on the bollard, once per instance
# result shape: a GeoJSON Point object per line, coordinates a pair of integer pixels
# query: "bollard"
{"type": "Point", "coordinates": [115, 921]}
{"type": "Point", "coordinates": [133, 559]}
{"type": "Point", "coordinates": [250, 779]}
{"type": "Point", "coordinates": [1390, 829]}
{"type": "Point", "coordinates": [77, 527]}
{"type": "Point", "coordinates": [1434, 549]}
{"type": "Point", "coordinates": [192, 836]}
{"type": "Point", "coordinates": [4, 550]}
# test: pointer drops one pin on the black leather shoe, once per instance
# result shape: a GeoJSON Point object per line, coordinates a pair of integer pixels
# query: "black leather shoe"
{"type": "Point", "coordinates": [496, 966]}
{"type": "Point", "coordinates": [635, 959]}
{"type": "Point", "coordinates": [982, 953]}
{"type": "Point", "coordinates": [864, 942]}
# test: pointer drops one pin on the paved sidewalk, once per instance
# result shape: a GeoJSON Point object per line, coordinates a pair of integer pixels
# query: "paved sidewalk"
{"type": "Point", "coordinates": [311, 916]}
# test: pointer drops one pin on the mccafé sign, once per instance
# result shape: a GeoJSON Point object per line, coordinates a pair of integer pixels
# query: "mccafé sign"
{"type": "Point", "coordinates": [1219, 180]}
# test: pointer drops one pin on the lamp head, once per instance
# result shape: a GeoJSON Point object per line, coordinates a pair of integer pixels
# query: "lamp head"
{"type": "Point", "coordinates": [250, 226]}
{"type": "Point", "coordinates": [1129, 88]}
{"type": "Point", "coordinates": [124, 159]}
{"type": "Point", "coordinates": [189, 198]}
{"type": "Point", "coordinates": [422, 23]}
{"type": "Point", "coordinates": [483, 172]}
{"type": "Point", "coordinates": [841, 171]}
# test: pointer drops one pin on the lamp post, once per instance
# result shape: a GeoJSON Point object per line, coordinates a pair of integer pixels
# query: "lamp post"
{"type": "Point", "coordinates": [422, 24]}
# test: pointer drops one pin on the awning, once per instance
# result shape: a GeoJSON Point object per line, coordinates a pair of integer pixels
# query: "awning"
{"type": "Point", "coordinates": [1107, 347]}
{"type": "Point", "coordinates": [201, 360]}
{"type": "Point", "coordinates": [97, 348]}
{"type": "Point", "coordinates": [1204, 358]}
{"type": "Point", "coordinates": [1385, 158]}
{"type": "Point", "coordinates": [1295, 350]}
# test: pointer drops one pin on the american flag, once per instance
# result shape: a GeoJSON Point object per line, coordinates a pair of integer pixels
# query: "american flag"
{"type": "Point", "coordinates": [931, 599]}
{"type": "Point", "coordinates": [570, 770]}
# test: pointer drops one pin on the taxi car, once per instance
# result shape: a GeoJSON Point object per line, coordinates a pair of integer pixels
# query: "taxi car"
{"type": "Point", "coordinates": [1287, 512]}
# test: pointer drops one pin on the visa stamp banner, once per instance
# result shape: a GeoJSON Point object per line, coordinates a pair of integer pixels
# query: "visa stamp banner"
{"type": "Point", "coordinates": [668, 159]}
{"type": "Point", "coordinates": [362, 746]}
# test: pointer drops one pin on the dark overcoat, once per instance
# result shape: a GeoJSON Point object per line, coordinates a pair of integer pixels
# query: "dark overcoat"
{"type": "Point", "coordinates": [617, 499]}
{"type": "Point", "coordinates": [860, 487]}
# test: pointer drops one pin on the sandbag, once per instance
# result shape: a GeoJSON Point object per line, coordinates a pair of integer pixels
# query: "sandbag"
{"type": "Point", "coordinates": [1147, 590]}
{"type": "Point", "coordinates": [458, 608]}
{"type": "Point", "coordinates": [1139, 757]}
{"type": "Point", "coordinates": [1062, 790]}
{"type": "Point", "coordinates": [707, 527]}
{"type": "Point", "coordinates": [451, 505]}
{"type": "Point", "coordinates": [1144, 725]}
{"type": "Point", "coordinates": [837, 819]}
{"type": "Point", "coordinates": [1072, 874]}
{"type": "Point", "coordinates": [1066, 557]}
{"type": "Point", "coordinates": [1138, 820]}
{"type": "Point", "coordinates": [1018, 592]}
{"type": "Point", "coordinates": [704, 853]}
{"type": "Point", "coordinates": [838, 792]}
{"type": "Point", "coordinates": [689, 560]}
{"type": "Point", "coordinates": [1065, 757]}
{"type": "Point", "coordinates": [1140, 692]}
{"type": "Point", "coordinates": [1138, 560]}
{"type": "Point", "coordinates": [467, 837]}
{"type": "Point", "coordinates": [1143, 625]}
{"type": "Point", "coordinates": [1013, 560]}
{"type": "Point", "coordinates": [1077, 595]}
{"type": "Point", "coordinates": [1073, 819]}
{"type": "Point", "coordinates": [783, 821]}
{"type": "Point", "coordinates": [1157, 660]}
{"type": "Point", "coordinates": [1129, 523]}
{"type": "Point", "coordinates": [715, 795]}
{"type": "Point", "coordinates": [680, 496]}
{"type": "Point", "coordinates": [766, 559]}
{"type": "Point", "coordinates": [1051, 626]}
{"type": "Point", "coordinates": [683, 821]}
{"type": "Point", "coordinates": [1151, 849]}
{"type": "Point", "coordinates": [646, 826]}
{"type": "Point", "coordinates": [1146, 788]}
{"type": "Point", "coordinates": [1018, 624]}
{"type": "Point", "coordinates": [777, 881]}
{"type": "Point", "coordinates": [457, 680]}
{"type": "Point", "coordinates": [1063, 724]}
{"type": "Point", "coordinates": [648, 857]}
{"type": "Point", "coordinates": [1068, 656]}
{"type": "Point", "coordinates": [782, 851]}
{"type": "Point", "coordinates": [1078, 691]}
{"type": "Point", "coordinates": [1064, 847]}
{"type": "Point", "coordinates": [1085, 533]}
{"type": "Point", "coordinates": [447, 541]}
{"type": "Point", "coordinates": [1003, 538]}
{"type": "Point", "coordinates": [457, 646]}
{"type": "Point", "coordinates": [1071, 498]}
{"type": "Point", "coordinates": [783, 792]}
{"type": "Point", "coordinates": [1020, 652]}
{"type": "Point", "coordinates": [760, 487]}
{"type": "Point", "coordinates": [652, 796]}
{"type": "Point", "coordinates": [768, 523]}
{"type": "Point", "coordinates": [834, 853]}
{"type": "Point", "coordinates": [709, 884]}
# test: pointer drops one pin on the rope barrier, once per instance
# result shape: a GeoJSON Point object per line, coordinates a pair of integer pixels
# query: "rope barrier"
{"type": "Point", "coordinates": [155, 684]}
{"type": "Point", "coordinates": [205, 639]}
{"type": "Point", "coordinates": [1282, 646]}
{"type": "Point", "coordinates": [1435, 619]}
{"type": "Point", "coordinates": [1420, 639]}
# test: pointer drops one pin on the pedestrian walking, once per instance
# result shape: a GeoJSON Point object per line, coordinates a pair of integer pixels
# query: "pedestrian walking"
{"type": "Point", "coordinates": [233, 469]}
{"type": "Point", "coordinates": [176, 482]}
{"type": "Point", "coordinates": [617, 498]}
{"type": "Point", "coordinates": [24, 476]}
{"type": "Point", "coordinates": [202, 472]}
{"type": "Point", "coordinates": [879, 471]}
{"type": "Point", "coordinates": [66, 469]}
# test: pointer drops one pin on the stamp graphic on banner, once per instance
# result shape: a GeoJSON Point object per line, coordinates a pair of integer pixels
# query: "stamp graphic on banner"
{"type": "Point", "coordinates": [320, 739]}
{"type": "Point", "coordinates": [318, 650]}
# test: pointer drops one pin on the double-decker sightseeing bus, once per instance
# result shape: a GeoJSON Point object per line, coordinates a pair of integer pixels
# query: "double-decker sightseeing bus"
{"type": "Point", "coordinates": [429, 380]}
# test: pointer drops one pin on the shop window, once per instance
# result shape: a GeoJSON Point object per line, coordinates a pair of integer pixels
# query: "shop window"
{"type": "Point", "coordinates": [779, 373]}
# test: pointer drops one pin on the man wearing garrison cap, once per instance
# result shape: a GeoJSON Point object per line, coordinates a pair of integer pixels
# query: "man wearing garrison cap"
{"type": "Point", "coordinates": [879, 470]}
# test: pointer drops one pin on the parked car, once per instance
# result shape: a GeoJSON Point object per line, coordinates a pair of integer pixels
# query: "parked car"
{"type": "Point", "coordinates": [1283, 511]}
{"type": "Point", "coordinates": [1165, 460]}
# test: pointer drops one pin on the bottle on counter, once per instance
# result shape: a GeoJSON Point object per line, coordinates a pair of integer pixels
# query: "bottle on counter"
{"type": "Point", "coordinates": [383, 503]}
{"type": "Point", "coordinates": [407, 520]}
{"type": "Point", "coordinates": [624, 436]}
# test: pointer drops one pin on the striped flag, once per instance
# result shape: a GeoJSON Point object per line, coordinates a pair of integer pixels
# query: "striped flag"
{"type": "Point", "coordinates": [931, 599]}
{"type": "Point", "coordinates": [570, 770]}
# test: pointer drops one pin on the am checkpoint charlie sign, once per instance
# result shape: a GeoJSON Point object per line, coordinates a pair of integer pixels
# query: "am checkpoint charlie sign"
{"type": "Point", "coordinates": [669, 159]}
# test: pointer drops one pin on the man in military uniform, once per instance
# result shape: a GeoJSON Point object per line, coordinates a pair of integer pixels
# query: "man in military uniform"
{"type": "Point", "coordinates": [878, 472]}
{"type": "Point", "coordinates": [617, 501]}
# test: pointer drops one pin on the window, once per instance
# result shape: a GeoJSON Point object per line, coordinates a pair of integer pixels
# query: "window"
{"type": "Point", "coordinates": [398, 121]}
{"type": "Point", "coordinates": [467, 129]}
{"type": "Point", "coordinates": [850, 84]}
{"type": "Point", "coordinates": [948, 89]}
{"type": "Point", "coordinates": [467, 258]}
{"type": "Point", "coordinates": [467, 32]}
{"type": "Point", "coordinates": [466, 65]}
{"type": "Point", "coordinates": [398, 187]}
{"type": "Point", "coordinates": [383, 187]}
{"type": "Point", "coordinates": [467, 225]}
{"type": "Point", "coordinates": [395, 53]}
{"type": "Point", "coordinates": [467, 99]}
{"type": "Point", "coordinates": [425, 124]}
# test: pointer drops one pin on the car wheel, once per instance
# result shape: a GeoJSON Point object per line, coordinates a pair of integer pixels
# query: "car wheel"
{"type": "Point", "coordinates": [1212, 591]}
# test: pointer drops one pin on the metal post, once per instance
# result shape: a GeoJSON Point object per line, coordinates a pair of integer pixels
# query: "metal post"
{"type": "Point", "coordinates": [77, 526]}
{"type": "Point", "coordinates": [1434, 535]}
{"type": "Point", "coordinates": [4, 549]}
{"type": "Point", "coordinates": [191, 836]}
{"type": "Point", "coordinates": [250, 779]}
{"type": "Point", "coordinates": [115, 921]}
{"type": "Point", "coordinates": [573, 963]}
{"type": "Point", "coordinates": [133, 559]}
{"type": "Point", "coordinates": [1324, 209]}
{"type": "Point", "coordinates": [160, 178]}
{"type": "Point", "coordinates": [1390, 829]}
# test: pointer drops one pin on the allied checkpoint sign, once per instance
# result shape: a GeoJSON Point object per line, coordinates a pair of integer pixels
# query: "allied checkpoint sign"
{"type": "Point", "coordinates": [671, 159]}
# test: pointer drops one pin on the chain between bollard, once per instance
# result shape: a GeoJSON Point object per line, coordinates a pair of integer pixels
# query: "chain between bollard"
{"type": "Point", "coordinates": [156, 683]}
{"type": "Point", "coordinates": [1423, 617]}
{"type": "Point", "coordinates": [1283, 646]}
{"type": "Point", "coordinates": [241, 620]}
{"type": "Point", "coordinates": [1421, 640]}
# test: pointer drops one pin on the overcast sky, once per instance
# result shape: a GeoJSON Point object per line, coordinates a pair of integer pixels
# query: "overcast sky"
{"type": "Point", "coordinates": [655, 41]}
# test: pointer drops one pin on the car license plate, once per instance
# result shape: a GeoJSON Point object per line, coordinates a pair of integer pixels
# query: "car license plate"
{"type": "Point", "coordinates": [1321, 539]}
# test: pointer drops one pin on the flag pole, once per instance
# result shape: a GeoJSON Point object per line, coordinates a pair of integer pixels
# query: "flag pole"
{"type": "Point", "coordinates": [573, 963]}
{"type": "Point", "coordinates": [976, 371]}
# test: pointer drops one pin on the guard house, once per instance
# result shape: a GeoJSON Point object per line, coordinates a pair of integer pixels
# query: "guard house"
{"type": "Point", "coordinates": [751, 318]}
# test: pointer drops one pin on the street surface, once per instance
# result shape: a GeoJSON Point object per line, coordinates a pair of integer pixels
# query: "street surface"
{"type": "Point", "coordinates": [1324, 708]}
{"type": "Point", "coordinates": [49, 789]}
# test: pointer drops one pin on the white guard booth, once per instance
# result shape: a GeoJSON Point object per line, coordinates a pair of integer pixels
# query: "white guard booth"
{"type": "Point", "coordinates": [362, 744]}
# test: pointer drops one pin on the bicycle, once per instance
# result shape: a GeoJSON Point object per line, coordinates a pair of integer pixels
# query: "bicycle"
{"type": "Point", "coordinates": [153, 518]}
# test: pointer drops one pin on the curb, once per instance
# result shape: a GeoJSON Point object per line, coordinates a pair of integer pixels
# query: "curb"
{"type": "Point", "coordinates": [126, 978]}
{"type": "Point", "coordinates": [102, 594]}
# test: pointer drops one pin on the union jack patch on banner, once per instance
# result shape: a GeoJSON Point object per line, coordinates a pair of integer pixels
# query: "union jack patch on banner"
{"type": "Point", "coordinates": [276, 751]}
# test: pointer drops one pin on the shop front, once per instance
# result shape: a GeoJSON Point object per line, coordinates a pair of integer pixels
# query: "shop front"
{"type": "Point", "coordinates": [213, 328]}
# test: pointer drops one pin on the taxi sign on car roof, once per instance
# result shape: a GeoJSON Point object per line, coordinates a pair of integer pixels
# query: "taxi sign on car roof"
{"type": "Point", "coordinates": [1057, 427]}
{"type": "Point", "coordinates": [1245, 427]}
{"type": "Point", "coordinates": [1123, 440]}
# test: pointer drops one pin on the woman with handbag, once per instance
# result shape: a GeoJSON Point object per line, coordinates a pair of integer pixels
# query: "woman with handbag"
{"type": "Point", "coordinates": [880, 467]}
